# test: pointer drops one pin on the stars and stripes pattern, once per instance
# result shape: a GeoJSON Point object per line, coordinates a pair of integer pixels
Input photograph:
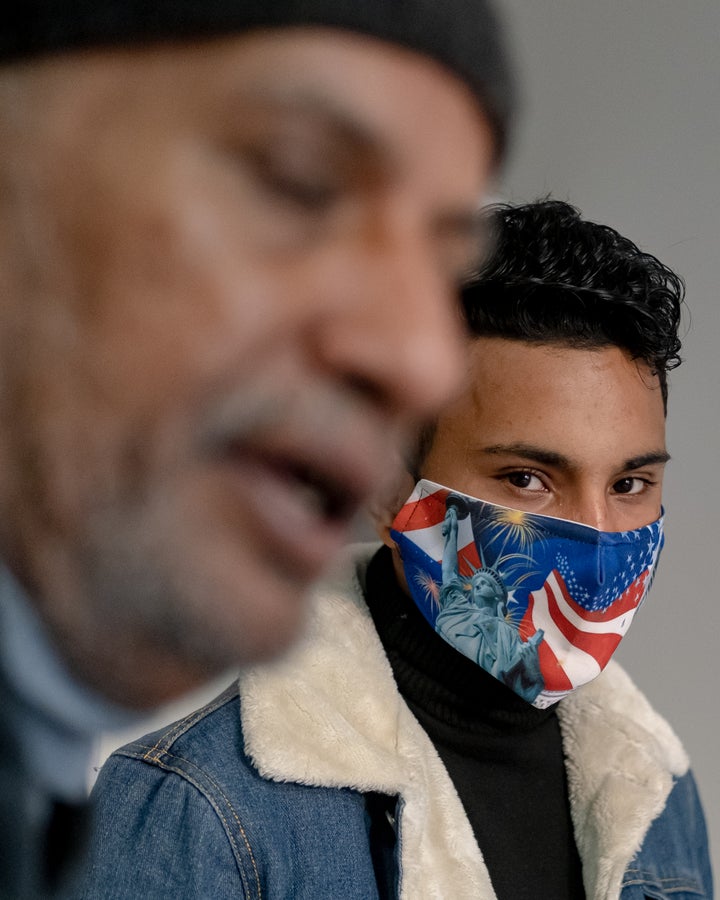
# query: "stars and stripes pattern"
{"type": "Point", "coordinates": [417, 530]}
{"type": "Point", "coordinates": [577, 644]}
{"type": "Point", "coordinates": [580, 586]}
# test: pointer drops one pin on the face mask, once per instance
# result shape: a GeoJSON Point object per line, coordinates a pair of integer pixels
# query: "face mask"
{"type": "Point", "coordinates": [540, 603]}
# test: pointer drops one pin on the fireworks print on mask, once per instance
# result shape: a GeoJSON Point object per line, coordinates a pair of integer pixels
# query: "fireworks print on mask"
{"type": "Point", "coordinates": [540, 603]}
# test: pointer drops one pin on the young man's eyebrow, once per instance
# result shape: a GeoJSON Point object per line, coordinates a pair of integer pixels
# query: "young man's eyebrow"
{"type": "Point", "coordinates": [658, 457]}
{"type": "Point", "coordinates": [530, 451]}
{"type": "Point", "coordinates": [559, 461]}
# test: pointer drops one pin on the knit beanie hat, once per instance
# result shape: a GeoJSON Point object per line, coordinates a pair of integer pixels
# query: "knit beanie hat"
{"type": "Point", "coordinates": [463, 35]}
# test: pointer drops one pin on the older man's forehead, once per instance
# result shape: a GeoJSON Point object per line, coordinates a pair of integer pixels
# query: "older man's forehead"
{"type": "Point", "coordinates": [463, 35]}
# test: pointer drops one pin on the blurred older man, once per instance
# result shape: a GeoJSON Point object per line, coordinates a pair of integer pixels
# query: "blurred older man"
{"type": "Point", "coordinates": [230, 235]}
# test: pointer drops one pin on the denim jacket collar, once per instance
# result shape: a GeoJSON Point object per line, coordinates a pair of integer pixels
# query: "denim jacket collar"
{"type": "Point", "coordinates": [305, 720]}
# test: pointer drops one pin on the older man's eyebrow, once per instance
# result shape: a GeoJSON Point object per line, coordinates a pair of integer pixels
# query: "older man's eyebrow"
{"type": "Point", "coordinates": [319, 104]}
{"type": "Point", "coordinates": [470, 222]}
{"type": "Point", "coordinates": [350, 132]}
{"type": "Point", "coordinates": [469, 228]}
{"type": "Point", "coordinates": [358, 141]}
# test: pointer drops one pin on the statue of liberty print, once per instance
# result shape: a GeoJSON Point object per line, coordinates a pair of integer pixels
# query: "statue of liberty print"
{"type": "Point", "coordinates": [474, 617]}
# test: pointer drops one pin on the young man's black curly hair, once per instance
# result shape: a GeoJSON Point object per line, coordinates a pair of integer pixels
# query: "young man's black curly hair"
{"type": "Point", "coordinates": [555, 278]}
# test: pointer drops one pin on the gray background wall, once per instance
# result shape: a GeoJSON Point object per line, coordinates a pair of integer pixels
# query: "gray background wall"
{"type": "Point", "coordinates": [622, 118]}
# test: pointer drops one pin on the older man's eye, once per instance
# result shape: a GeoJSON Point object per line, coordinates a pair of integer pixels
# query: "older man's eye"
{"type": "Point", "coordinates": [294, 175]}
{"type": "Point", "coordinates": [312, 194]}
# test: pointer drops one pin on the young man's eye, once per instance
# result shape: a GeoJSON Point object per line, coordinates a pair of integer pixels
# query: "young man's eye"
{"type": "Point", "coordinates": [526, 481]}
{"type": "Point", "coordinates": [630, 485]}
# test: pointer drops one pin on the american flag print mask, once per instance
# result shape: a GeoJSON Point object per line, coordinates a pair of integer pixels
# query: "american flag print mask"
{"type": "Point", "coordinates": [540, 603]}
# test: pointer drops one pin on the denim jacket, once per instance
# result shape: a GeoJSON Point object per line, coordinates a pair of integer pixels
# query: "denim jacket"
{"type": "Point", "coordinates": [304, 781]}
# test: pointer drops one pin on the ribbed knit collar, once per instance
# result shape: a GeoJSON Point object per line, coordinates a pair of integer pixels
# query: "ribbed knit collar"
{"type": "Point", "coordinates": [430, 673]}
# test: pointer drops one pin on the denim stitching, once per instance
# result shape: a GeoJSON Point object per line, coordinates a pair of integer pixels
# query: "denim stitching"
{"type": "Point", "coordinates": [637, 876]}
{"type": "Point", "coordinates": [184, 724]}
{"type": "Point", "coordinates": [156, 760]}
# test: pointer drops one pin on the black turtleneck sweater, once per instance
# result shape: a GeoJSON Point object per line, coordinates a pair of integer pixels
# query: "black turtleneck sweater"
{"type": "Point", "coordinates": [504, 756]}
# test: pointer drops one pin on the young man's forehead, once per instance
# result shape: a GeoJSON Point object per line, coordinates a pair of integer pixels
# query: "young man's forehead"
{"type": "Point", "coordinates": [537, 403]}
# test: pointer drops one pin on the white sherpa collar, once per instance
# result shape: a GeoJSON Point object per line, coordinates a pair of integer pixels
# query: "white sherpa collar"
{"type": "Point", "coordinates": [330, 714]}
{"type": "Point", "coordinates": [621, 760]}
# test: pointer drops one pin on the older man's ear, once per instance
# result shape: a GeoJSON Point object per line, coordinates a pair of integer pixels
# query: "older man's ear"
{"type": "Point", "coordinates": [387, 502]}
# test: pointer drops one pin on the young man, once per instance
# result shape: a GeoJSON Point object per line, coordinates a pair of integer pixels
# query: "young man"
{"type": "Point", "coordinates": [413, 745]}
{"type": "Point", "coordinates": [230, 234]}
